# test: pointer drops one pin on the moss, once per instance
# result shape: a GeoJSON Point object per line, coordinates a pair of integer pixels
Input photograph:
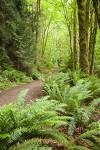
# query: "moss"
{"type": "Point", "coordinates": [84, 65]}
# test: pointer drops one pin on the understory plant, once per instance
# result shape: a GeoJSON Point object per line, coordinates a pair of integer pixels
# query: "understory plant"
{"type": "Point", "coordinates": [82, 104]}
{"type": "Point", "coordinates": [62, 87]}
{"type": "Point", "coordinates": [68, 116]}
{"type": "Point", "coordinates": [95, 86]}
{"type": "Point", "coordinates": [19, 123]}
{"type": "Point", "coordinates": [11, 77]}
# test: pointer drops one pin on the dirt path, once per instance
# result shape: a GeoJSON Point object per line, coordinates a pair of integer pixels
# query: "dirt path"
{"type": "Point", "coordinates": [35, 91]}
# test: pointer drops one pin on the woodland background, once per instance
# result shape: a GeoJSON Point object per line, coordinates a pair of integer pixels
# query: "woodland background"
{"type": "Point", "coordinates": [36, 37]}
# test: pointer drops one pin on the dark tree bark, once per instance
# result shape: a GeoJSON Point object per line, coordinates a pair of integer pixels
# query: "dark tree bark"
{"type": "Point", "coordinates": [87, 21]}
{"type": "Point", "coordinates": [75, 38]}
{"type": "Point", "coordinates": [92, 43]}
{"type": "Point", "coordinates": [96, 5]}
{"type": "Point", "coordinates": [84, 64]}
{"type": "Point", "coordinates": [37, 29]}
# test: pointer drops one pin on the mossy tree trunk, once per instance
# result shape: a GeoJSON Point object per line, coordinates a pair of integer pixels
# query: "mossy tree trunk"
{"type": "Point", "coordinates": [96, 4]}
{"type": "Point", "coordinates": [84, 64]}
{"type": "Point", "coordinates": [37, 30]}
{"type": "Point", "coordinates": [92, 42]}
{"type": "Point", "coordinates": [75, 59]}
{"type": "Point", "coordinates": [87, 12]}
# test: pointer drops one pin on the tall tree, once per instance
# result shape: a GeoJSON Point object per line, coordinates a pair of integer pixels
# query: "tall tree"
{"type": "Point", "coordinates": [92, 42]}
{"type": "Point", "coordinates": [75, 58]}
{"type": "Point", "coordinates": [84, 65]}
{"type": "Point", "coordinates": [37, 29]}
{"type": "Point", "coordinates": [96, 4]}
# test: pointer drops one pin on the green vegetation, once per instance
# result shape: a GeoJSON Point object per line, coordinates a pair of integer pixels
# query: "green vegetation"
{"type": "Point", "coordinates": [78, 95]}
{"type": "Point", "coordinates": [60, 38]}
{"type": "Point", "coordinates": [39, 119]}
{"type": "Point", "coordinates": [71, 112]}
{"type": "Point", "coordinates": [38, 35]}
{"type": "Point", "coordinates": [11, 77]}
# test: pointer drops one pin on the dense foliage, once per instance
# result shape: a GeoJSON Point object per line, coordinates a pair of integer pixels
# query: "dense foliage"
{"type": "Point", "coordinates": [38, 120]}
{"type": "Point", "coordinates": [11, 77]}
{"type": "Point", "coordinates": [81, 97]}
{"type": "Point", "coordinates": [69, 115]}
{"type": "Point", "coordinates": [37, 36]}
{"type": "Point", "coordinates": [17, 40]}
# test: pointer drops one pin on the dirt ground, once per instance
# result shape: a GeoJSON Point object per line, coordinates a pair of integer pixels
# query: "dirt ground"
{"type": "Point", "coordinates": [35, 91]}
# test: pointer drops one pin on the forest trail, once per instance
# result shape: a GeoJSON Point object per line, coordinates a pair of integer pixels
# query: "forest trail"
{"type": "Point", "coordinates": [10, 95]}
{"type": "Point", "coordinates": [35, 91]}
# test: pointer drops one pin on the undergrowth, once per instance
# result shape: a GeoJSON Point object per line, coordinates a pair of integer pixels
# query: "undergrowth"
{"type": "Point", "coordinates": [11, 77]}
{"type": "Point", "coordinates": [68, 117]}
{"type": "Point", "coordinates": [18, 124]}
{"type": "Point", "coordinates": [81, 97]}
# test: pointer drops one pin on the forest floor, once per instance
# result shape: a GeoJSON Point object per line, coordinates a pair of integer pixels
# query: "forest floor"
{"type": "Point", "coordinates": [35, 91]}
{"type": "Point", "coordinates": [11, 95]}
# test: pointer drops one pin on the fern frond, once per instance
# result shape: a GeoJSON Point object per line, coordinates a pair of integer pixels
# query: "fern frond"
{"type": "Point", "coordinates": [20, 100]}
{"type": "Point", "coordinates": [60, 137]}
{"type": "Point", "coordinates": [90, 133]}
{"type": "Point", "coordinates": [89, 142]}
{"type": "Point", "coordinates": [31, 121]}
{"type": "Point", "coordinates": [72, 126]}
{"type": "Point", "coordinates": [96, 140]}
{"type": "Point", "coordinates": [94, 125]}
{"type": "Point", "coordinates": [95, 102]}
{"type": "Point", "coordinates": [79, 148]}
{"type": "Point", "coordinates": [16, 134]}
{"type": "Point", "coordinates": [33, 144]}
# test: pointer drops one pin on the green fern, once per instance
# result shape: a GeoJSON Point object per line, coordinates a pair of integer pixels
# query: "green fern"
{"type": "Point", "coordinates": [33, 144]}
{"type": "Point", "coordinates": [83, 116]}
{"type": "Point", "coordinates": [90, 133]}
{"type": "Point", "coordinates": [20, 100]}
{"type": "Point", "coordinates": [73, 97]}
{"type": "Point", "coordinates": [95, 86]}
{"type": "Point", "coordinates": [79, 148]}
{"type": "Point", "coordinates": [40, 119]}
{"type": "Point", "coordinates": [91, 138]}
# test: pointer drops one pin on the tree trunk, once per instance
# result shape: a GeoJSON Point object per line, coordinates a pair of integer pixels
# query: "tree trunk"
{"type": "Point", "coordinates": [92, 44]}
{"type": "Point", "coordinates": [75, 38]}
{"type": "Point", "coordinates": [84, 64]}
{"type": "Point", "coordinates": [37, 30]}
{"type": "Point", "coordinates": [87, 21]}
{"type": "Point", "coordinates": [69, 26]}
{"type": "Point", "coordinates": [96, 5]}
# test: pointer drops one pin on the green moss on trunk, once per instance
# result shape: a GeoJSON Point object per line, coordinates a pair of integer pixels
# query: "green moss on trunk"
{"type": "Point", "coordinates": [84, 65]}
